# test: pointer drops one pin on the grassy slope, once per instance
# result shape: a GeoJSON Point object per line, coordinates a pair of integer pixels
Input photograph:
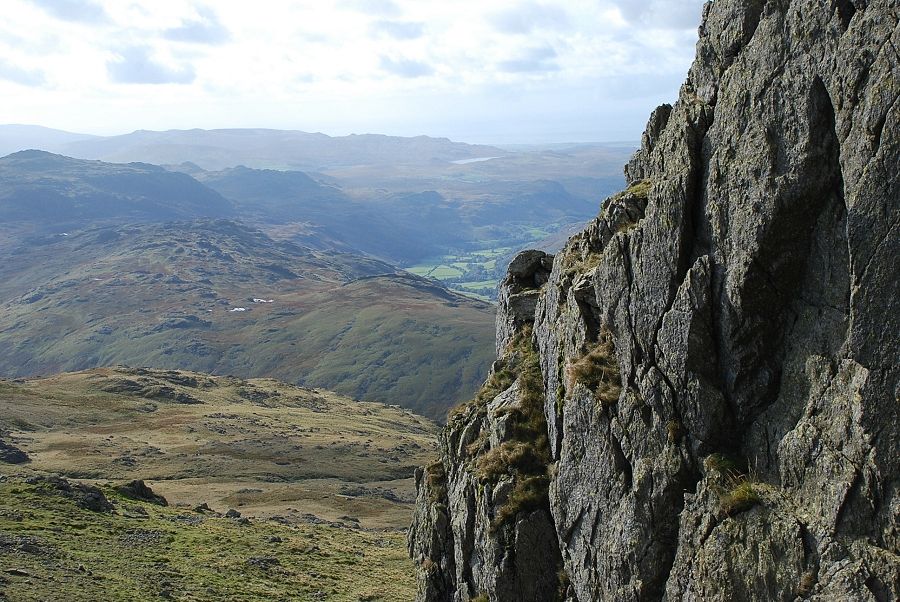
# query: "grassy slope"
{"type": "Point", "coordinates": [277, 452]}
{"type": "Point", "coordinates": [161, 295]}
{"type": "Point", "coordinates": [74, 554]}
{"type": "Point", "coordinates": [262, 446]}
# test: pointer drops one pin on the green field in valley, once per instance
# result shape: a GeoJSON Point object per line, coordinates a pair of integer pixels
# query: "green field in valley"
{"type": "Point", "coordinates": [478, 271]}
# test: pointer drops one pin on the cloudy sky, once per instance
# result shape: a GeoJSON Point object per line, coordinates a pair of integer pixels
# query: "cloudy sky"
{"type": "Point", "coordinates": [501, 71]}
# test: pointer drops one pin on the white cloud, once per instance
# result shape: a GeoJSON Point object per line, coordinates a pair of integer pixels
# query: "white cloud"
{"type": "Point", "coordinates": [392, 66]}
{"type": "Point", "coordinates": [526, 17]}
{"type": "Point", "coordinates": [532, 60]}
{"type": "Point", "coordinates": [665, 14]}
{"type": "Point", "coordinates": [136, 65]}
{"type": "Point", "coordinates": [400, 30]}
{"type": "Point", "coordinates": [73, 10]}
{"type": "Point", "coordinates": [20, 75]}
{"type": "Point", "coordinates": [383, 8]}
{"type": "Point", "coordinates": [406, 67]}
{"type": "Point", "coordinates": [204, 29]}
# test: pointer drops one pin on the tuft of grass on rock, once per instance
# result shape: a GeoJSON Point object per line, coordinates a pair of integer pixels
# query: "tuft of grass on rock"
{"type": "Point", "coordinates": [436, 479]}
{"type": "Point", "coordinates": [673, 431]}
{"type": "Point", "coordinates": [576, 262]}
{"type": "Point", "coordinates": [598, 370]}
{"type": "Point", "coordinates": [565, 582]}
{"type": "Point", "coordinates": [525, 456]}
{"type": "Point", "coordinates": [807, 583]}
{"type": "Point", "coordinates": [742, 496]}
{"type": "Point", "coordinates": [724, 464]}
{"type": "Point", "coordinates": [499, 381]}
{"type": "Point", "coordinates": [509, 458]}
{"type": "Point", "coordinates": [639, 189]}
{"type": "Point", "coordinates": [529, 493]}
{"type": "Point", "coordinates": [737, 491]}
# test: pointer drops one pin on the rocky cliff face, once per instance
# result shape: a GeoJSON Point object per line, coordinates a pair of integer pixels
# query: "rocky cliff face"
{"type": "Point", "coordinates": [703, 404]}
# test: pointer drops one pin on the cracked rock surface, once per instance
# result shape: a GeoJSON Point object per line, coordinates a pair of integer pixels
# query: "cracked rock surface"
{"type": "Point", "coordinates": [743, 290]}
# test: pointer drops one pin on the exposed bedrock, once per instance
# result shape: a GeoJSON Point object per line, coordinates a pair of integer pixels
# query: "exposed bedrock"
{"type": "Point", "coordinates": [714, 358]}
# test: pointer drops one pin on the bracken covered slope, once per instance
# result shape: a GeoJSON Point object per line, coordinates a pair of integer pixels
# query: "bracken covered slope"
{"type": "Point", "coordinates": [715, 411]}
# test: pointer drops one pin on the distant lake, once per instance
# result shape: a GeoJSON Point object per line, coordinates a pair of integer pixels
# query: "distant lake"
{"type": "Point", "coordinates": [476, 160]}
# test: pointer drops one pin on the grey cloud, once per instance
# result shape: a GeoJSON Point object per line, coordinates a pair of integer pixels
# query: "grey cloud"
{"type": "Point", "coordinates": [205, 30]}
{"type": "Point", "coordinates": [399, 30]}
{"type": "Point", "coordinates": [529, 17]}
{"type": "Point", "coordinates": [664, 14]}
{"type": "Point", "coordinates": [85, 11]}
{"type": "Point", "coordinates": [138, 67]}
{"type": "Point", "coordinates": [406, 67]}
{"type": "Point", "coordinates": [535, 60]}
{"type": "Point", "coordinates": [19, 75]}
{"type": "Point", "coordinates": [379, 8]}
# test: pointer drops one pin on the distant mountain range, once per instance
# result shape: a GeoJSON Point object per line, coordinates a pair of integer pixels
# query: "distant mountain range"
{"type": "Point", "coordinates": [220, 149]}
{"type": "Point", "coordinates": [55, 191]}
{"type": "Point", "coordinates": [14, 138]}
{"type": "Point", "coordinates": [214, 266]}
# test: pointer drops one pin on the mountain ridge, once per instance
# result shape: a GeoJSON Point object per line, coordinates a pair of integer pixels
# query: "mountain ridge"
{"type": "Point", "coordinates": [218, 149]}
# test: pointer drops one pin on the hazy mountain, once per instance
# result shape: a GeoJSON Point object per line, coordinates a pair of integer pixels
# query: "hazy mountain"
{"type": "Point", "coordinates": [220, 149]}
{"type": "Point", "coordinates": [43, 188]}
{"type": "Point", "coordinates": [181, 295]}
{"type": "Point", "coordinates": [328, 214]}
{"type": "Point", "coordinates": [401, 227]}
{"type": "Point", "coordinates": [24, 137]}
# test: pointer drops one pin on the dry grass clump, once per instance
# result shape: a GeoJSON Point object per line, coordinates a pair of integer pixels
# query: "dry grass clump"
{"type": "Point", "coordinates": [673, 431]}
{"type": "Point", "coordinates": [577, 262]}
{"type": "Point", "coordinates": [436, 479]}
{"type": "Point", "coordinates": [807, 583]}
{"type": "Point", "coordinates": [499, 381]}
{"type": "Point", "coordinates": [509, 458]}
{"type": "Point", "coordinates": [429, 566]}
{"type": "Point", "coordinates": [525, 454]}
{"type": "Point", "coordinates": [565, 582]}
{"type": "Point", "coordinates": [722, 464]}
{"type": "Point", "coordinates": [529, 493]}
{"type": "Point", "coordinates": [598, 370]}
{"type": "Point", "coordinates": [738, 492]}
{"type": "Point", "coordinates": [742, 496]}
{"type": "Point", "coordinates": [640, 189]}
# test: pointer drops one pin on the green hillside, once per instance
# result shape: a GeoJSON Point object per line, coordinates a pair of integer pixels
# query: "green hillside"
{"type": "Point", "coordinates": [182, 296]}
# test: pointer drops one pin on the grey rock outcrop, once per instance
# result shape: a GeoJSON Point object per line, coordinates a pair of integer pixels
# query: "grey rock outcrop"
{"type": "Point", "coordinates": [10, 454]}
{"type": "Point", "coordinates": [87, 497]}
{"type": "Point", "coordinates": [518, 294]}
{"type": "Point", "coordinates": [138, 490]}
{"type": "Point", "coordinates": [719, 351]}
